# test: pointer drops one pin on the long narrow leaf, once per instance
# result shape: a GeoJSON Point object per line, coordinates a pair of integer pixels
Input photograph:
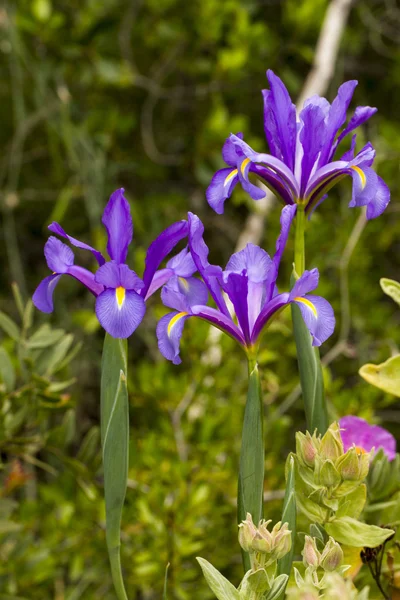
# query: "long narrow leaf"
{"type": "Point", "coordinates": [289, 516]}
{"type": "Point", "coordinates": [115, 440]}
{"type": "Point", "coordinates": [311, 379]}
{"type": "Point", "coordinates": [251, 467]}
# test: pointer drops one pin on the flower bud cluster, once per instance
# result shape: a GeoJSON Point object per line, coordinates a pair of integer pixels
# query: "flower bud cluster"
{"type": "Point", "coordinates": [327, 477]}
{"type": "Point", "coordinates": [334, 587]}
{"type": "Point", "coordinates": [267, 546]}
{"type": "Point", "coordinates": [329, 559]}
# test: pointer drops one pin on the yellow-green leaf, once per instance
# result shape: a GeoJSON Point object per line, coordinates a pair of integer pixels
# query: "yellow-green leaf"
{"type": "Point", "coordinates": [385, 376]}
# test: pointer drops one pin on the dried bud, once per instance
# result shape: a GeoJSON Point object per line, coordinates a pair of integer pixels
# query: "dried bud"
{"type": "Point", "coordinates": [306, 448]}
{"type": "Point", "coordinates": [247, 533]}
{"type": "Point", "coordinates": [332, 556]}
{"type": "Point", "coordinates": [311, 555]}
{"type": "Point", "coordinates": [331, 444]}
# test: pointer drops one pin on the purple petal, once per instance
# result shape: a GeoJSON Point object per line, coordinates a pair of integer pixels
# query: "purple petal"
{"type": "Point", "coordinates": [365, 157]}
{"type": "Point", "coordinates": [252, 259]}
{"type": "Point", "coordinates": [280, 120]}
{"type": "Point", "coordinates": [236, 286]}
{"type": "Point", "coordinates": [356, 431]}
{"type": "Point", "coordinates": [349, 155]}
{"type": "Point", "coordinates": [118, 222]}
{"type": "Point", "coordinates": [56, 228]}
{"type": "Point", "coordinates": [380, 201]}
{"type": "Point", "coordinates": [120, 315]}
{"type": "Point", "coordinates": [181, 294]}
{"type": "Point", "coordinates": [160, 278]}
{"type": "Point", "coordinates": [43, 296]}
{"type": "Point", "coordinates": [169, 333]}
{"type": "Point", "coordinates": [113, 275]}
{"type": "Point", "coordinates": [369, 190]}
{"type": "Point", "coordinates": [210, 274]}
{"type": "Point", "coordinates": [87, 278]}
{"type": "Point", "coordinates": [271, 307]}
{"type": "Point", "coordinates": [274, 182]}
{"type": "Point", "coordinates": [182, 264]}
{"type": "Point", "coordinates": [219, 320]}
{"type": "Point", "coordinates": [221, 187]}
{"type": "Point", "coordinates": [277, 165]}
{"type": "Point", "coordinates": [318, 315]}
{"type": "Point", "coordinates": [336, 118]}
{"type": "Point", "coordinates": [305, 284]}
{"type": "Point", "coordinates": [361, 114]}
{"type": "Point", "coordinates": [230, 153]}
{"type": "Point", "coordinates": [312, 138]}
{"type": "Point", "coordinates": [160, 248]}
{"type": "Point", "coordinates": [254, 191]}
{"type": "Point", "coordinates": [59, 256]}
{"type": "Point", "coordinates": [287, 216]}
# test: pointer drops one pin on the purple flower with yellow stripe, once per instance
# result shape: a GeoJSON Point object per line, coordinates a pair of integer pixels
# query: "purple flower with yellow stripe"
{"type": "Point", "coordinates": [120, 293]}
{"type": "Point", "coordinates": [300, 168]}
{"type": "Point", "coordinates": [249, 281]}
{"type": "Point", "coordinates": [357, 432]}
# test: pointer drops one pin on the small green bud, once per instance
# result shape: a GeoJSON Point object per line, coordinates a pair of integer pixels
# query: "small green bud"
{"type": "Point", "coordinates": [331, 444]}
{"type": "Point", "coordinates": [305, 448]}
{"type": "Point", "coordinates": [353, 466]}
{"type": "Point", "coordinates": [329, 475]}
{"type": "Point", "coordinates": [332, 556]}
{"type": "Point", "coordinates": [262, 541]}
{"type": "Point", "coordinates": [310, 553]}
{"type": "Point", "coordinates": [282, 540]}
{"type": "Point", "coordinates": [247, 533]}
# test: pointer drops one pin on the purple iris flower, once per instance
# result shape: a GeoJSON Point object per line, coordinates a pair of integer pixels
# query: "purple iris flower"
{"type": "Point", "coordinates": [249, 281]}
{"type": "Point", "coordinates": [300, 167]}
{"type": "Point", "coordinates": [120, 293]}
{"type": "Point", "coordinates": [357, 432]}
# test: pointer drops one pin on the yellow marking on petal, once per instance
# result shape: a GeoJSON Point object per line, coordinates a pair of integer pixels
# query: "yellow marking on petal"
{"type": "Point", "coordinates": [184, 283]}
{"type": "Point", "coordinates": [120, 295]}
{"type": "Point", "coordinates": [244, 165]}
{"type": "Point", "coordinates": [231, 175]}
{"type": "Point", "coordinates": [174, 320]}
{"type": "Point", "coordinates": [307, 303]}
{"type": "Point", "coordinates": [362, 176]}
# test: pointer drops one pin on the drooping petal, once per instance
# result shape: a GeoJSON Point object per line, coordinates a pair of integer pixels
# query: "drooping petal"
{"type": "Point", "coordinates": [219, 320]}
{"type": "Point", "coordinates": [318, 315]}
{"type": "Point", "coordinates": [236, 286]}
{"type": "Point", "coordinates": [230, 152]}
{"type": "Point", "coordinates": [270, 161]}
{"type": "Point", "coordinates": [169, 333]}
{"type": "Point", "coordinates": [159, 279]}
{"type": "Point", "coordinates": [255, 192]}
{"type": "Point", "coordinates": [43, 296]}
{"type": "Point", "coordinates": [182, 264]}
{"type": "Point", "coordinates": [274, 182]}
{"type": "Point", "coordinates": [159, 250]}
{"type": "Point", "coordinates": [305, 284]}
{"type": "Point", "coordinates": [369, 190]}
{"type": "Point", "coordinates": [183, 293]}
{"type": "Point", "coordinates": [361, 114]}
{"type": "Point", "coordinates": [121, 314]}
{"type": "Point", "coordinates": [56, 228]}
{"type": "Point", "coordinates": [221, 187]}
{"type": "Point", "coordinates": [270, 308]}
{"type": "Point", "coordinates": [280, 120]}
{"type": "Point", "coordinates": [252, 259]}
{"type": "Point", "coordinates": [117, 220]}
{"type": "Point", "coordinates": [356, 431]}
{"type": "Point", "coordinates": [59, 256]}
{"type": "Point", "coordinates": [87, 278]}
{"type": "Point", "coordinates": [211, 274]}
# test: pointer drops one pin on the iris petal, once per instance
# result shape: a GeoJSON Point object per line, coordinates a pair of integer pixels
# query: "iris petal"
{"type": "Point", "coordinates": [43, 296]}
{"type": "Point", "coordinates": [56, 228]}
{"type": "Point", "coordinates": [118, 222]}
{"type": "Point", "coordinates": [120, 320]}
{"type": "Point", "coordinates": [221, 187]}
{"type": "Point", "coordinates": [59, 256]}
{"type": "Point", "coordinates": [318, 316]}
{"type": "Point", "coordinates": [169, 333]}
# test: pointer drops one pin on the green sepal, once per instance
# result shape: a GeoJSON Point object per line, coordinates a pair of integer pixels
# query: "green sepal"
{"type": "Point", "coordinates": [222, 588]}
{"type": "Point", "coordinates": [115, 442]}
{"type": "Point", "coordinates": [251, 466]}
{"type": "Point", "coordinates": [254, 584]}
{"type": "Point", "coordinates": [311, 378]}
{"type": "Point", "coordinates": [351, 532]}
{"type": "Point", "coordinates": [278, 587]}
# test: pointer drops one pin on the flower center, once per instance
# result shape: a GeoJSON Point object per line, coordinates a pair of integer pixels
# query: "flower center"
{"type": "Point", "coordinates": [120, 295]}
{"type": "Point", "coordinates": [360, 450]}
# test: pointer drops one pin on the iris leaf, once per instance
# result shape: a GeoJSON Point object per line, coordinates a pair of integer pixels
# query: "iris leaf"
{"type": "Point", "coordinates": [114, 439]}
{"type": "Point", "coordinates": [289, 516]}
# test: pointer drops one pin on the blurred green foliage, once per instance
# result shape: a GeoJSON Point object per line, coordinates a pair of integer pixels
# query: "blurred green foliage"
{"type": "Point", "coordinates": [98, 95]}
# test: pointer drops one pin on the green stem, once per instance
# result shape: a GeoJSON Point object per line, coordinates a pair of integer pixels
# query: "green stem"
{"type": "Point", "coordinates": [115, 443]}
{"type": "Point", "coordinates": [251, 467]}
{"type": "Point", "coordinates": [311, 378]}
{"type": "Point", "coordinates": [299, 251]}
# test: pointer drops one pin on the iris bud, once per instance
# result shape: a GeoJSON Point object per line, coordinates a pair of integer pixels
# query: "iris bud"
{"type": "Point", "coordinates": [311, 555]}
{"type": "Point", "coordinates": [332, 556]}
